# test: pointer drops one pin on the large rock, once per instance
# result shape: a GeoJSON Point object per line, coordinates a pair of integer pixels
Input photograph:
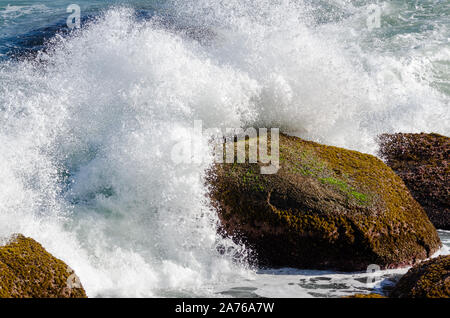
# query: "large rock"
{"type": "Point", "coordinates": [28, 270]}
{"type": "Point", "coordinates": [422, 161]}
{"type": "Point", "coordinates": [326, 207]}
{"type": "Point", "coordinates": [430, 279]}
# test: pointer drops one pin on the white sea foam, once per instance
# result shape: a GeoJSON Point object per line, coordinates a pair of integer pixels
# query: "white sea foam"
{"type": "Point", "coordinates": [87, 129]}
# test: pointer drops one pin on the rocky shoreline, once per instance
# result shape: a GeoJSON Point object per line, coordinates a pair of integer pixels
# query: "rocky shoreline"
{"type": "Point", "coordinates": [27, 270]}
{"type": "Point", "coordinates": [429, 279]}
{"type": "Point", "coordinates": [325, 208]}
{"type": "Point", "coordinates": [422, 161]}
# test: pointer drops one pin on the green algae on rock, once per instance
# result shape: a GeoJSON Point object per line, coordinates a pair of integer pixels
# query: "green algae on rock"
{"type": "Point", "coordinates": [27, 270]}
{"type": "Point", "coordinates": [430, 279]}
{"type": "Point", "coordinates": [422, 161]}
{"type": "Point", "coordinates": [326, 207]}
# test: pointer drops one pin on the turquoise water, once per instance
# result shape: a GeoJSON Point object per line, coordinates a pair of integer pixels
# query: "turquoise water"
{"type": "Point", "coordinates": [89, 119]}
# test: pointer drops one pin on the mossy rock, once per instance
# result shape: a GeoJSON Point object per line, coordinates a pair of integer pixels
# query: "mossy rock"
{"type": "Point", "coordinates": [430, 279]}
{"type": "Point", "coordinates": [365, 296]}
{"type": "Point", "coordinates": [422, 161]}
{"type": "Point", "coordinates": [27, 270]}
{"type": "Point", "coordinates": [325, 208]}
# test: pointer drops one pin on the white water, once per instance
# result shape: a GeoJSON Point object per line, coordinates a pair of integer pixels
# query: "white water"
{"type": "Point", "coordinates": [86, 131]}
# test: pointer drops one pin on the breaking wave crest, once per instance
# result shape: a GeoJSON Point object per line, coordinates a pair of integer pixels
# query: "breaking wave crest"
{"type": "Point", "coordinates": [87, 126]}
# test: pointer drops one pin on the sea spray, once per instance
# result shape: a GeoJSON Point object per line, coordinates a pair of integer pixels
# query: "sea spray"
{"type": "Point", "coordinates": [87, 127]}
{"type": "Point", "coordinates": [91, 145]}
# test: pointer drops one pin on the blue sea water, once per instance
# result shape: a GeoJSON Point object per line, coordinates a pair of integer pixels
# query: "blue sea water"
{"type": "Point", "coordinates": [25, 25]}
{"type": "Point", "coordinates": [89, 116]}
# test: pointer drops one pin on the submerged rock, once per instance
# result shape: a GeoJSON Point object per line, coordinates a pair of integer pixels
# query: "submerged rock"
{"type": "Point", "coordinates": [430, 279]}
{"type": "Point", "coordinates": [28, 270]}
{"type": "Point", "coordinates": [326, 207]}
{"type": "Point", "coordinates": [422, 161]}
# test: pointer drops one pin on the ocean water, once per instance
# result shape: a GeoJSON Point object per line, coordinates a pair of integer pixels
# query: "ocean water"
{"type": "Point", "coordinates": [89, 118]}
